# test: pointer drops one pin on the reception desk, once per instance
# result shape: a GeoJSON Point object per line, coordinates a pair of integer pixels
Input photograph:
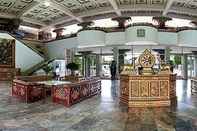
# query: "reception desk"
{"type": "Point", "coordinates": [147, 90]}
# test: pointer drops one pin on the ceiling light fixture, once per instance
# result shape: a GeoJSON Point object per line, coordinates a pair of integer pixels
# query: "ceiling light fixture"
{"type": "Point", "coordinates": [47, 3]}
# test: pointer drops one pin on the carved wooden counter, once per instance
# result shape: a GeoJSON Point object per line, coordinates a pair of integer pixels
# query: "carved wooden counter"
{"type": "Point", "coordinates": [147, 90]}
{"type": "Point", "coordinates": [70, 94]}
{"type": "Point", "coordinates": [194, 85]}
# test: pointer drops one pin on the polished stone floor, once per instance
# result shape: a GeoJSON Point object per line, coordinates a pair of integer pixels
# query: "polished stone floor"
{"type": "Point", "coordinates": [99, 113]}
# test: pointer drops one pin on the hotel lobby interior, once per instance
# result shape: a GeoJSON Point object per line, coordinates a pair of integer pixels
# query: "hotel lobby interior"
{"type": "Point", "coordinates": [98, 65]}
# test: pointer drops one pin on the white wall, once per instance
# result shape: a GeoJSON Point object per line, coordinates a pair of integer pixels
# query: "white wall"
{"type": "Point", "coordinates": [151, 34]}
{"type": "Point", "coordinates": [167, 38]}
{"type": "Point", "coordinates": [115, 38]}
{"type": "Point", "coordinates": [92, 38]}
{"type": "Point", "coordinates": [89, 38]}
{"type": "Point", "coordinates": [24, 56]}
{"type": "Point", "coordinates": [187, 38]}
{"type": "Point", "coordinates": [57, 48]}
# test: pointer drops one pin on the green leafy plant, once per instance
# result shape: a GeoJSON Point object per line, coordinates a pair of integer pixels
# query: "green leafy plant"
{"type": "Point", "coordinates": [73, 67]}
{"type": "Point", "coordinates": [161, 20]}
{"type": "Point", "coordinates": [47, 69]}
{"type": "Point", "coordinates": [177, 59]}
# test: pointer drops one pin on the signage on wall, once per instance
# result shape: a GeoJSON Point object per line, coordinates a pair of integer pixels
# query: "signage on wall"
{"type": "Point", "coordinates": [140, 32]}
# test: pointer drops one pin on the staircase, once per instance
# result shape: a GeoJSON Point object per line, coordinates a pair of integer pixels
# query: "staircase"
{"type": "Point", "coordinates": [37, 67]}
{"type": "Point", "coordinates": [39, 48]}
{"type": "Point", "coordinates": [36, 46]}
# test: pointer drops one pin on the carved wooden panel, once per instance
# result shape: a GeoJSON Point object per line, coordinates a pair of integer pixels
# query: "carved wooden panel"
{"type": "Point", "coordinates": [135, 88]}
{"type": "Point", "coordinates": [124, 88]}
{"type": "Point", "coordinates": [164, 85]}
{"type": "Point", "coordinates": [154, 88]}
{"type": "Point", "coordinates": [144, 88]}
{"type": "Point", "coordinates": [149, 90]}
{"type": "Point", "coordinates": [7, 53]}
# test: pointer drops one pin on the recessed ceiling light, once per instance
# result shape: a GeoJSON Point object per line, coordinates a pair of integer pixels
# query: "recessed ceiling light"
{"type": "Point", "coordinates": [47, 3]}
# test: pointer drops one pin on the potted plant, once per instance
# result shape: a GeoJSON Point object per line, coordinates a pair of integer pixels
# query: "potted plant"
{"type": "Point", "coordinates": [162, 21]}
{"type": "Point", "coordinates": [73, 67]}
{"type": "Point", "coordinates": [47, 69]}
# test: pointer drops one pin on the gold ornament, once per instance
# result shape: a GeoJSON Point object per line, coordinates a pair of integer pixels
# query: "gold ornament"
{"type": "Point", "coordinates": [147, 61]}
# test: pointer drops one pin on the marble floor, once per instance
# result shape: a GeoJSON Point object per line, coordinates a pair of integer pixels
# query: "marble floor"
{"type": "Point", "coordinates": [99, 113]}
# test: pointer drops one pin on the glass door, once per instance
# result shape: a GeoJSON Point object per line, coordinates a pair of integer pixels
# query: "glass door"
{"type": "Point", "coordinates": [105, 70]}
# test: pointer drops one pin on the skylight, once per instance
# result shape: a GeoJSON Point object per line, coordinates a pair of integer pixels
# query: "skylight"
{"type": "Point", "coordinates": [71, 29]}
{"type": "Point", "coordinates": [137, 19]}
{"type": "Point", "coordinates": [105, 23]}
{"type": "Point", "coordinates": [29, 29]}
{"type": "Point", "coordinates": [178, 23]}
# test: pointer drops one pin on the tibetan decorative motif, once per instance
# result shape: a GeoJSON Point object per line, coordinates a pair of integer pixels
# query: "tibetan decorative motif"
{"type": "Point", "coordinates": [27, 93]}
{"type": "Point", "coordinates": [154, 89]}
{"type": "Point", "coordinates": [7, 59]}
{"type": "Point", "coordinates": [148, 90]}
{"type": "Point", "coordinates": [7, 53]}
{"type": "Point", "coordinates": [75, 92]}
{"type": "Point", "coordinates": [59, 93]}
{"type": "Point", "coordinates": [147, 61]}
{"type": "Point", "coordinates": [194, 86]}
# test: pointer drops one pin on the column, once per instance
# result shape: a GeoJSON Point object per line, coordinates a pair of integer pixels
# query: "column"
{"type": "Point", "coordinates": [86, 63]}
{"type": "Point", "coordinates": [83, 65]}
{"type": "Point", "coordinates": [98, 65]}
{"type": "Point", "coordinates": [116, 58]}
{"type": "Point", "coordinates": [195, 66]}
{"type": "Point", "coordinates": [185, 68]}
{"type": "Point", "coordinates": [167, 55]}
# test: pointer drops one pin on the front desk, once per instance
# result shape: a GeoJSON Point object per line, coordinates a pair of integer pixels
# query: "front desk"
{"type": "Point", "coordinates": [147, 90]}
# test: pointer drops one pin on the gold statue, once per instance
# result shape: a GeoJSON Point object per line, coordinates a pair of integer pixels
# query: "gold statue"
{"type": "Point", "coordinates": [127, 69]}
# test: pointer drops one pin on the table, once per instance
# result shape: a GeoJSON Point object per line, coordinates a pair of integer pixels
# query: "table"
{"type": "Point", "coordinates": [48, 85]}
{"type": "Point", "coordinates": [147, 90]}
{"type": "Point", "coordinates": [53, 82]}
{"type": "Point", "coordinates": [69, 94]}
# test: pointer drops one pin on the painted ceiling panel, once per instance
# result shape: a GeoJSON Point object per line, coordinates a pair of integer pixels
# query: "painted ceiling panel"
{"type": "Point", "coordinates": [61, 11]}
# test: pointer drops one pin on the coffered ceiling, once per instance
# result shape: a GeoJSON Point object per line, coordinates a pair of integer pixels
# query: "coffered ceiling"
{"type": "Point", "coordinates": [48, 13]}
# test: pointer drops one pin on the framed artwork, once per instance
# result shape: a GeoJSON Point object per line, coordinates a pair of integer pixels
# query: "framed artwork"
{"type": "Point", "coordinates": [141, 33]}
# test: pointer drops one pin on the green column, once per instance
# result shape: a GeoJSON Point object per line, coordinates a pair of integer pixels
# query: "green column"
{"type": "Point", "coordinates": [185, 68]}
{"type": "Point", "coordinates": [195, 65]}
{"type": "Point", "coordinates": [98, 65]}
{"type": "Point", "coordinates": [167, 55]}
{"type": "Point", "coordinates": [116, 58]}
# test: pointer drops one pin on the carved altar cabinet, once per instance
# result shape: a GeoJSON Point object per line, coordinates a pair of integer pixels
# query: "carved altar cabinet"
{"type": "Point", "coordinates": [148, 89]}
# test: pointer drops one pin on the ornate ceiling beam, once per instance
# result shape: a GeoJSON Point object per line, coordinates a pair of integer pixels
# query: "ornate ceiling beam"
{"type": "Point", "coordinates": [191, 15]}
{"type": "Point", "coordinates": [57, 23]}
{"type": "Point", "coordinates": [66, 11]}
{"type": "Point", "coordinates": [115, 7]}
{"type": "Point", "coordinates": [33, 21]}
{"type": "Point", "coordinates": [168, 5]}
{"type": "Point", "coordinates": [35, 3]}
{"type": "Point", "coordinates": [5, 15]}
